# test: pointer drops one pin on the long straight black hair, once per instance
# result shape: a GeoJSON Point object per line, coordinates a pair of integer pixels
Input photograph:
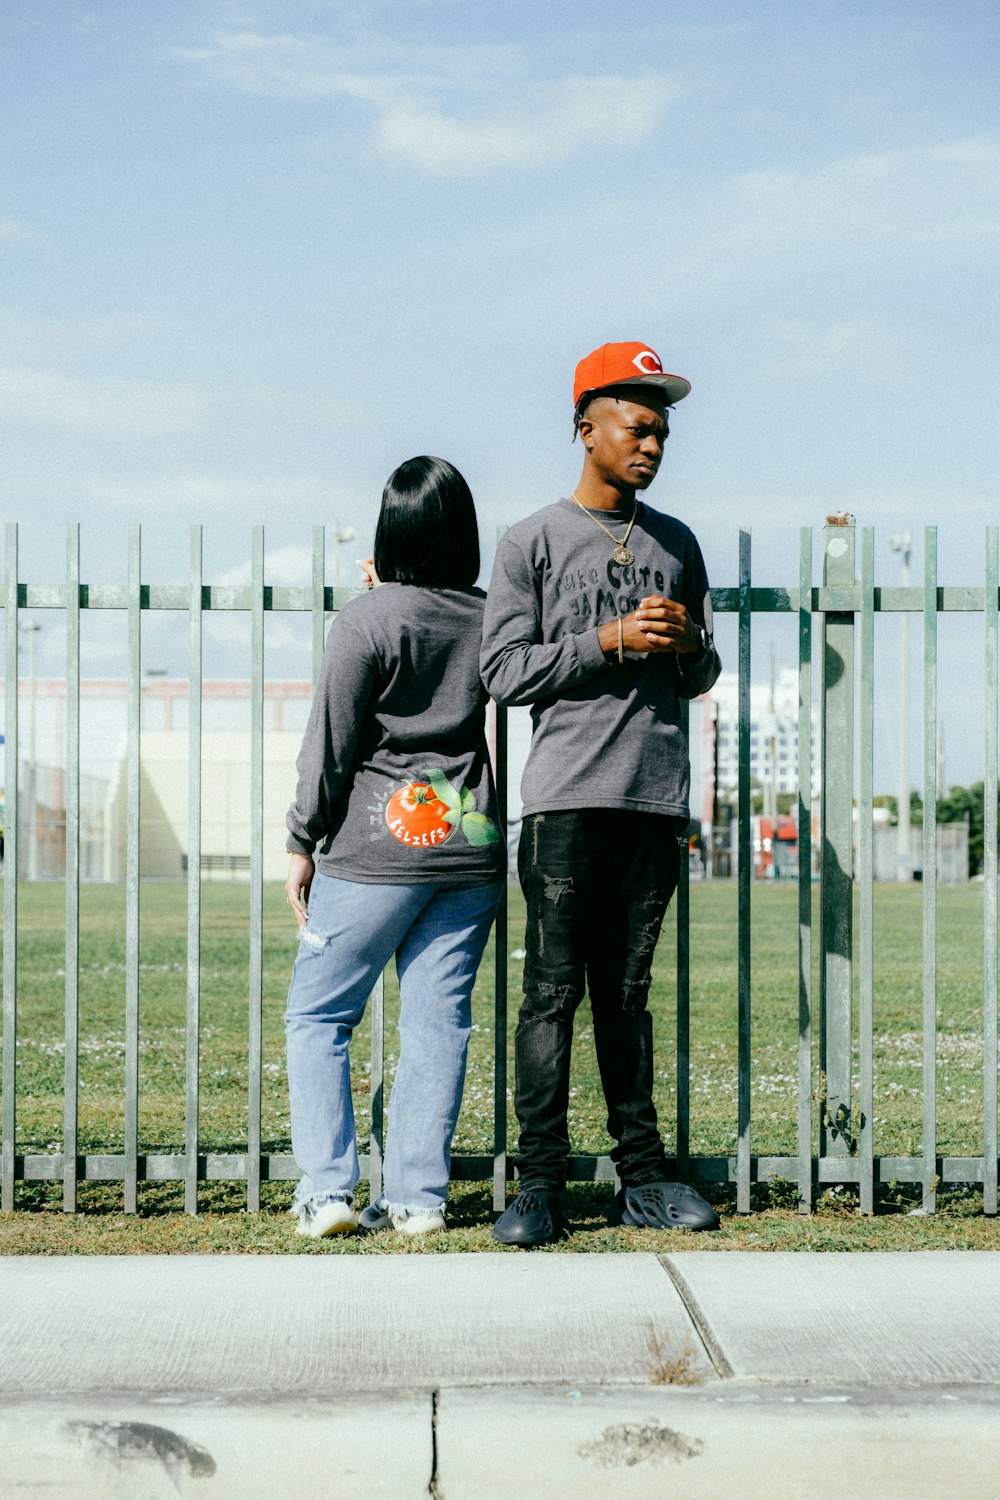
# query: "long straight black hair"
{"type": "Point", "coordinates": [427, 532]}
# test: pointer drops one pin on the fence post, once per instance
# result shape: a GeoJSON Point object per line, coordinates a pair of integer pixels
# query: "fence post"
{"type": "Point", "coordinates": [837, 835]}
{"type": "Point", "coordinates": [11, 866]}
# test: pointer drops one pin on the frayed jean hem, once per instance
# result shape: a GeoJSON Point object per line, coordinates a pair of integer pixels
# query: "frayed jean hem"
{"type": "Point", "coordinates": [316, 1200]}
{"type": "Point", "coordinates": [408, 1210]}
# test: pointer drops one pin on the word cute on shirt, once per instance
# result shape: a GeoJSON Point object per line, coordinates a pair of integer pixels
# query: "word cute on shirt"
{"type": "Point", "coordinates": [586, 594]}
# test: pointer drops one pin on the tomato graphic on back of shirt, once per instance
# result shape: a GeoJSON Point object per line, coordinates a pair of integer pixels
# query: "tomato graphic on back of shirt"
{"type": "Point", "coordinates": [416, 815]}
{"type": "Point", "coordinates": [425, 814]}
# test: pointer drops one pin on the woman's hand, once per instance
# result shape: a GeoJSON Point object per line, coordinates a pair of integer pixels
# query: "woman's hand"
{"type": "Point", "coordinates": [300, 877]}
{"type": "Point", "coordinates": [369, 577]}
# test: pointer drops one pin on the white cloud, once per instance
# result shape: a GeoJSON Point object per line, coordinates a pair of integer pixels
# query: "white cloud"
{"type": "Point", "coordinates": [548, 125]}
{"type": "Point", "coordinates": [765, 235]}
{"type": "Point", "coordinates": [207, 496]}
{"type": "Point", "coordinates": [142, 410]}
{"type": "Point", "coordinates": [784, 223]}
{"type": "Point", "coordinates": [292, 67]}
{"type": "Point", "coordinates": [14, 232]}
{"type": "Point", "coordinates": [288, 566]}
{"type": "Point", "coordinates": [860, 202]}
{"type": "Point", "coordinates": [97, 406]}
{"type": "Point", "coordinates": [856, 205]}
{"type": "Point", "coordinates": [976, 151]}
{"type": "Point", "coordinates": [30, 339]}
{"type": "Point", "coordinates": [279, 501]}
{"type": "Point", "coordinates": [452, 111]}
{"type": "Point", "coordinates": [870, 352]}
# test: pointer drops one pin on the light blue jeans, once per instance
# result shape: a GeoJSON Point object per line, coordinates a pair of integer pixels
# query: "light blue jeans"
{"type": "Point", "coordinates": [438, 935]}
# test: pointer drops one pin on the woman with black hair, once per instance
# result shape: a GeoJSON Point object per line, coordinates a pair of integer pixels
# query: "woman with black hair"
{"type": "Point", "coordinates": [396, 791]}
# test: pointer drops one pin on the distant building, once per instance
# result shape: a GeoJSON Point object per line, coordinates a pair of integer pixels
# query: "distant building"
{"type": "Point", "coordinates": [713, 743]}
{"type": "Point", "coordinates": [225, 804]}
{"type": "Point", "coordinates": [226, 716]}
{"type": "Point", "coordinates": [774, 734]}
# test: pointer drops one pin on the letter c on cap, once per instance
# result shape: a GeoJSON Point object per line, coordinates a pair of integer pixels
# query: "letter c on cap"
{"type": "Point", "coordinates": [653, 367]}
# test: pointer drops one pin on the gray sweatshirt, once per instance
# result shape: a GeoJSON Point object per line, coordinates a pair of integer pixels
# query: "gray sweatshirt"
{"type": "Point", "coordinates": [603, 735]}
{"type": "Point", "coordinates": [394, 775]}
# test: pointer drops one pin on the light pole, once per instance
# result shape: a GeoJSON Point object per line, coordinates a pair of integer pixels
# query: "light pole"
{"type": "Point", "coordinates": [901, 544]}
{"type": "Point", "coordinates": [340, 534]}
{"type": "Point", "coordinates": [773, 751]}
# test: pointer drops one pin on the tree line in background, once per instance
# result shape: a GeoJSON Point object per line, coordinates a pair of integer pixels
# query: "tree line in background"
{"type": "Point", "coordinates": [962, 803]}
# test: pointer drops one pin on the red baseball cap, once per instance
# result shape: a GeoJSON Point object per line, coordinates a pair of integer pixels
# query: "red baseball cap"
{"type": "Point", "coordinates": [626, 364]}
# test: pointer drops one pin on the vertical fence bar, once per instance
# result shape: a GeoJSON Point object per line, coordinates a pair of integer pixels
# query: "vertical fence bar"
{"type": "Point", "coordinates": [500, 988]}
{"type": "Point", "coordinates": [990, 882]}
{"type": "Point", "coordinates": [71, 1029]}
{"type": "Point", "coordinates": [10, 872]}
{"type": "Point", "coordinates": [683, 1128]}
{"type": "Point", "coordinates": [929, 892]}
{"type": "Point", "coordinates": [837, 1132]}
{"type": "Point", "coordinates": [318, 601]}
{"type": "Point", "coordinates": [132, 867]}
{"type": "Point", "coordinates": [256, 971]}
{"type": "Point", "coordinates": [192, 1061]}
{"type": "Point", "coordinates": [377, 1088]}
{"type": "Point", "coordinates": [745, 875]}
{"type": "Point", "coordinates": [866, 920]}
{"type": "Point", "coordinates": [318, 618]}
{"type": "Point", "coordinates": [805, 1120]}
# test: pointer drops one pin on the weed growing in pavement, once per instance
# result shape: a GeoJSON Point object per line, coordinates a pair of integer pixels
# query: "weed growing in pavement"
{"type": "Point", "coordinates": [668, 1368]}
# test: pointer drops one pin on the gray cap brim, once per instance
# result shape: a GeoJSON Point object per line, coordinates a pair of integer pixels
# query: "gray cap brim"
{"type": "Point", "coordinates": [675, 387]}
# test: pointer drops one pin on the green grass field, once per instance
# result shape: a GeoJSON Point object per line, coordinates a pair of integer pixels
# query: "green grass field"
{"type": "Point", "coordinates": [39, 1224]}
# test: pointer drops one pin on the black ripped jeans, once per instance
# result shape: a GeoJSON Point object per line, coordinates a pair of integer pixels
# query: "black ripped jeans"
{"type": "Point", "coordinates": [597, 884]}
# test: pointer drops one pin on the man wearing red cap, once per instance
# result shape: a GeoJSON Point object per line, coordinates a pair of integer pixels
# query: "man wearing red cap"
{"type": "Point", "coordinates": [599, 617]}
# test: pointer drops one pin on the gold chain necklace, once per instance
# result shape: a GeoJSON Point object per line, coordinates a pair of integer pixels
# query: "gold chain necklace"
{"type": "Point", "coordinates": [622, 555]}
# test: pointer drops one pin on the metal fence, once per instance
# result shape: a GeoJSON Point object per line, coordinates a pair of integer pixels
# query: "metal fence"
{"type": "Point", "coordinates": [844, 605]}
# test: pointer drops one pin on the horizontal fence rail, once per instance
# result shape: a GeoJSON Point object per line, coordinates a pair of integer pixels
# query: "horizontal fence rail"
{"type": "Point", "coordinates": [843, 605]}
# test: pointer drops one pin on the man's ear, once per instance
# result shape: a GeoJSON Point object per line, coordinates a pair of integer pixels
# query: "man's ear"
{"type": "Point", "coordinates": [585, 428]}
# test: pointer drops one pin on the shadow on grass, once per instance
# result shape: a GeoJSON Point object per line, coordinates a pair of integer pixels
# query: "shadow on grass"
{"type": "Point", "coordinates": [223, 1226]}
{"type": "Point", "coordinates": [471, 1203]}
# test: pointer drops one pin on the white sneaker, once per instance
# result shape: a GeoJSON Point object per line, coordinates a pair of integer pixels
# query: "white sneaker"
{"type": "Point", "coordinates": [333, 1217]}
{"type": "Point", "coordinates": [429, 1223]}
{"type": "Point", "coordinates": [373, 1218]}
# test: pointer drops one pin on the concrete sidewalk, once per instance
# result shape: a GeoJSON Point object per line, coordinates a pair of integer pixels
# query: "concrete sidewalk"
{"type": "Point", "coordinates": [515, 1376]}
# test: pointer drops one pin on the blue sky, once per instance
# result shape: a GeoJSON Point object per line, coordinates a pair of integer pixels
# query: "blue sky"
{"type": "Point", "coordinates": [254, 255]}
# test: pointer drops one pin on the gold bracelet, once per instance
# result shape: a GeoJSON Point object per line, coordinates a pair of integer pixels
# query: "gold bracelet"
{"type": "Point", "coordinates": [621, 654]}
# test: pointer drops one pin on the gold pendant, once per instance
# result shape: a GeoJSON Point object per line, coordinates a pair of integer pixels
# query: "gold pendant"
{"type": "Point", "coordinates": [623, 555]}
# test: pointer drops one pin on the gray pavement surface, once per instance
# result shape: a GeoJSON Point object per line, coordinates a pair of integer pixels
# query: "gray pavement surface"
{"type": "Point", "coordinates": [928, 1318]}
{"type": "Point", "coordinates": [718, 1443]}
{"type": "Point", "coordinates": [516, 1376]}
{"type": "Point", "coordinates": [321, 1325]}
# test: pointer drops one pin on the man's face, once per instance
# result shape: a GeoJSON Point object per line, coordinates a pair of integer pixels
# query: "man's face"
{"type": "Point", "coordinates": [624, 436]}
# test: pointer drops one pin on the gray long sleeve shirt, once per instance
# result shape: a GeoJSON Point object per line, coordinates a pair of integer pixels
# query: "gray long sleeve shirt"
{"type": "Point", "coordinates": [394, 776]}
{"type": "Point", "coordinates": [604, 734]}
